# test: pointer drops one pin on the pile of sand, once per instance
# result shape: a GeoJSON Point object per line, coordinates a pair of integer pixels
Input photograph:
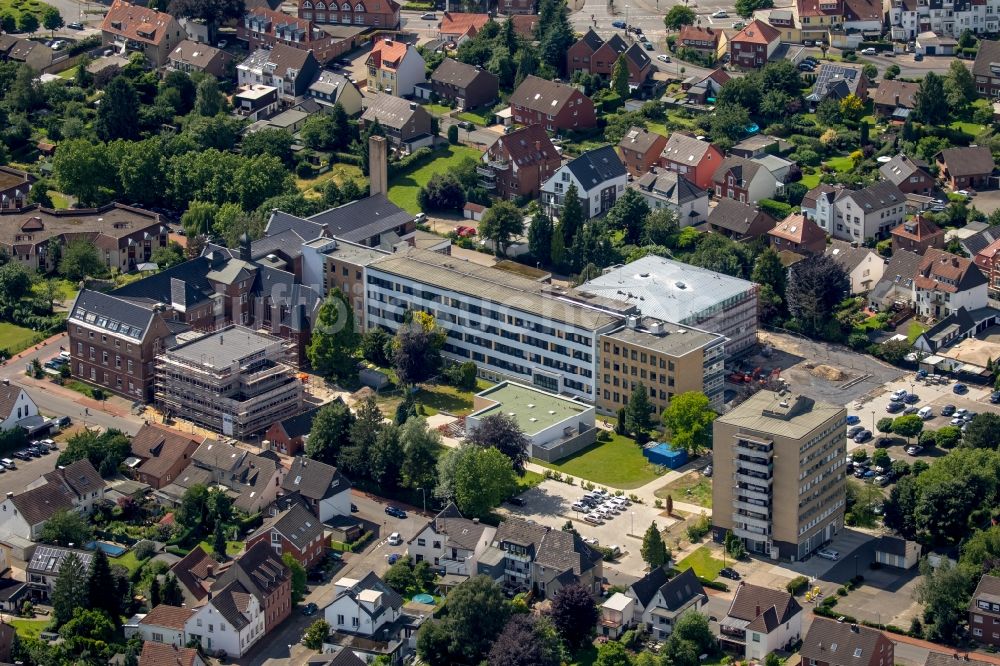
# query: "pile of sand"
{"type": "Point", "coordinates": [828, 373]}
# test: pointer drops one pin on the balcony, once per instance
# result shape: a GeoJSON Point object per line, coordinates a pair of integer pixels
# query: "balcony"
{"type": "Point", "coordinates": [753, 450]}
{"type": "Point", "coordinates": [488, 184]}
{"type": "Point", "coordinates": [753, 466]}
{"type": "Point", "coordinates": [752, 534]}
{"type": "Point", "coordinates": [751, 522]}
{"type": "Point", "coordinates": [749, 493]}
{"type": "Point", "coordinates": [748, 506]}
{"type": "Point", "coordinates": [743, 477]}
{"type": "Point", "coordinates": [486, 172]}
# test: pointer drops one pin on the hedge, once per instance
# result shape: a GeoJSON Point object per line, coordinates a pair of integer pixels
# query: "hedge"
{"type": "Point", "coordinates": [775, 209]}
{"type": "Point", "coordinates": [414, 160]}
{"type": "Point", "coordinates": [713, 584]}
{"type": "Point", "coordinates": [797, 585]}
{"type": "Point", "coordinates": [346, 158]}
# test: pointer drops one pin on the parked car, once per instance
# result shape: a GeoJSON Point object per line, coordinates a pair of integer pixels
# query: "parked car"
{"type": "Point", "coordinates": [395, 539]}
{"type": "Point", "coordinates": [309, 609]}
{"type": "Point", "coordinates": [618, 24]}
{"type": "Point", "coordinates": [894, 407]}
{"type": "Point", "coordinates": [911, 398]}
{"type": "Point", "coordinates": [853, 420]}
{"type": "Point", "coordinates": [75, 25]}
{"type": "Point", "coordinates": [429, 16]}
{"type": "Point", "coordinates": [395, 511]}
{"type": "Point", "coordinates": [883, 480]}
{"type": "Point", "coordinates": [995, 397]}
{"type": "Point", "coordinates": [593, 519]}
{"type": "Point", "coordinates": [720, 14]}
{"type": "Point", "coordinates": [707, 471]}
{"type": "Point", "coordinates": [828, 554]}
{"type": "Point", "coordinates": [730, 573]}
{"type": "Point", "coordinates": [918, 57]}
{"type": "Point", "coordinates": [739, 25]}
{"type": "Point", "coordinates": [663, 58]}
{"type": "Point", "coordinates": [883, 442]}
{"type": "Point", "coordinates": [898, 396]}
{"type": "Point", "coordinates": [912, 409]}
{"type": "Point", "coordinates": [947, 410]}
{"type": "Point", "coordinates": [914, 449]}
{"type": "Point", "coordinates": [868, 51]}
{"type": "Point", "coordinates": [854, 430]}
{"type": "Point", "coordinates": [960, 389]}
{"type": "Point", "coordinates": [515, 501]}
{"type": "Point", "coordinates": [863, 436]}
{"type": "Point", "coordinates": [393, 558]}
{"type": "Point", "coordinates": [464, 231]}
{"type": "Point", "coordinates": [223, 43]}
{"type": "Point", "coordinates": [580, 506]}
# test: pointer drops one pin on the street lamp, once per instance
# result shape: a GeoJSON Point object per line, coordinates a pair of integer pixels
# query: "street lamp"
{"type": "Point", "coordinates": [633, 523]}
{"type": "Point", "coordinates": [873, 421]}
{"type": "Point", "coordinates": [855, 567]}
{"type": "Point", "coordinates": [626, 18]}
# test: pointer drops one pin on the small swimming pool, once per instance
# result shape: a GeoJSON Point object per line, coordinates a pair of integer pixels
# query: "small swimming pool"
{"type": "Point", "coordinates": [110, 549]}
{"type": "Point", "coordinates": [423, 599]}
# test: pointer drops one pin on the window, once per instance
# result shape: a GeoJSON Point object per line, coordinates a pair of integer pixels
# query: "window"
{"type": "Point", "coordinates": [354, 622]}
{"type": "Point", "coordinates": [421, 542]}
{"type": "Point", "coordinates": [340, 619]}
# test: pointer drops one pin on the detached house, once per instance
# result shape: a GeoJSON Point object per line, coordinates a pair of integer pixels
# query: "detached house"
{"type": "Point", "coordinates": [327, 492]}
{"type": "Point", "coordinates": [916, 235]}
{"type": "Point", "coordinates": [599, 176]}
{"type": "Point", "coordinates": [833, 643]}
{"type": "Point", "coordinates": [331, 88]}
{"type": "Point", "coordinates": [165, 624]}
{"type": "Point", "coordinates": [965, 168]}
{"type": "Point", "coordinates": [984, 611]}
{"type": "Point", "coordinates": [798, 234]}
{"type": "Point", "coordinates": [640, 150]}
{"type": "Point", "coordinates": [42, 571]}
{"type": "Point", "coordinates": [708, 41]}
{"type": "Point", "coordinates": [14, 187]}
{"type": "Point", "coordinates": [24, 514]}
{"type": "Point", "coordinates": [668, 189]}
{"type": "Point", "coordinates": [910, 176]}
{"type": "Point", "coordinates": [451, 542]}
{"type": "Point", "coordinates": [739, 221]}
{"type": "Point", "coordinates": [660, 601]}
{"type": "Point", "coordinates": [366, 617]}
{"type": "Point", "coordinates": [745, 180]}
{"type": "Point", "coordinates": [289, 436]}
{"type": "Point", "coordinates": [17, 409]}
{"type": "Point", "coordinates": [868, 213]}
{"type": "Point", "coordinates": [128, 27]}
{"type": "Point", "coordinates": [79, 481]}
{"type": "Point", "coordinates": [836, 81]}
{"type": "Point", "coordinates": [753, 46]}
{"type": "Point", "coordinates": [163, 453]}
{"type": "Point", "coordinates": [895, 99]}
{"type": "Point", "coordinates": [761, 620]}
{"type": "Point", "coordinates": [465, 86]}
{"type": "Point", "coordinates": [945, 282]}
{"type": "Point", "coordinates": [863, 266]}
{"type": "Point", "coordinates": [705, 89]}
{"type": "Point", "coordinates": [692, 158]}
{"type": "Point", "coordinates": [986, 69]}
{"type": "Point", "coordinates": [394, 67]}
{"type": "Point", "coordinates": [230, 622]}
{"type": "Point", "coordinates": [295, 530]}
{"type": "Point", "coordinates": [407, 124]}
{"type": "Point", "coordinates": [519, 162]}
{"type": "Point", "coordinates": [554, 106]}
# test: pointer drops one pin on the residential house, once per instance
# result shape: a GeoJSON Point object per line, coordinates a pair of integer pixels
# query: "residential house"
{"type": "Point", "coordinates": [695, 159]}
{"type": "Point", "coordinates": [798, 234]}
{"type": "Point", "coordinates": [407, 124]}
{"type": "Point", "coordinates": [949, 658]}
{"type": "Point", "coordinates": [190, 57]}
{"type": "Point", "coordinates": [705, 89]}
{"type": "Point", "coordinates": [837, 81]}
{"type": "Point", "coordinates": [599, 177]}
{"type": "Point", "coordinates": [959, 325]}
{"type": "Point", "coordinates": [36, 55]}
{"type": "Point", "coordinates": [129, 27]}
{"type": "Point", "coordinates": [359, 14]}
{"type": "Point", "coordinates": [327, 492]}
{"type": "Point", "coordinates": [535, 557]}
{"type": "Point", "coordinates": [817, 205]}
{"type": "Point", "coordinates": [459, 26]}
{"type": "Point", "coordinates": [163, 453]}
{"type": "Point", "coordinates": [555, 106]}
{"type": "Point", "coordinates": [980, 240]}
{"type": "Point", "coordinates": [916, 235]}
{"type": "Point", "coordinates": [260, 571]}
{"type": "Point", "coordinates": [779, 167]}
{"type": "Point", "coordinates": [158, 654]}
{"type": "Point", "coordinates": [868, 213]}
{"type": "Point", "coordinates": [668, 189]}
{"type": "Point", "coordinates": [894, 551]}
{"type": "Point", "coordinates": [24, 514]}
{"type": "Point", "coordinates": [708, 41]}
{"type": "Point", "coordinates": [17, 409]}
{"type": "Point", "coordinates": [834, 643]}
{"type": "Point", "coordinates": [753, 46]}
{"type": "Point", "coordinates": [256, 102]}
{"type": "Point", "coordinates": [14, 187]}
{"type": "Point", "coordinates": [863, 266]}
{"type": "Point", "coordinates": [864, 16]}
{"type": "Point", "coordinates": [123, 235]}
{"type": "Point", "coordinates": [739, 221]}
{"type": "Point", "coordinates": [984, 611]}
{"type": "Point", "coordinates": [394, 67]}
{"type": "Point", "coordinates": [289, 70]}
{"type": "Point", "coordinates": [524, 24]}
{"type": "Point", "coordinates": [786, 21]}
{"type": "Point", "coordinates": [759, 146]}
{"type": "Point", "coordinates": [79, 481]}
{"type": "Point", "coordinates": [902, 17]}
{"type": "Point", "coordinates": [745, 180]}
{"type": "Point", "coordinates": [761, 620]}
{"type": "Point", "coordinates": [366, 617]}
{"type": "Point", "coordinates": [254, 479]}
{"type": "Point", "coordinates": [640, 150]}
{"type": "Point", "coordinates": [451, 542]}
{"type": "Point", "coordinates": [818, 17]}
{"type": "Point", "coordinates": [465, 86]}
{"type": "Point", "coordinates": [894, 99]}
{"type": "Point", "coordinates": [965, 167]}
{"type": "Point", "coordinates": [262, 27]}
{"type": "Point", "coordinates": [946, 282]}
{"type": "Point", "coordinates": [195, 573]}
{"type": "Point", "coordinates": [616, 615]}
{"type": "Point", "coordinates": [289, 436]}
{"type": "Point", "coordinates": [897, 283]}
{"type": "Point", "coordinates": [43, 568]}
{"type": "Point", "coordinates": [295, 530]}
{"type": "Point", "coordinates": [519, 162]}
{"type": "Point", "coordinates": [592, 55]}
{"type": "Point", "coordinates": [331, 88]}
{"type": "Point", "coordinates": [986, 69]}
{"type": "Point", "coordinates": [988, 261]}
{"type": "Point", "coordinates": [910, 176]}
{"type": "Point", "coordinates": [165, 624]}
{"type": "Point", "coordinates": [660, 601]}
{"type": "Point", "coordinates": [230, 622]}
{"type": "Point", "coordinates": [932, 43]}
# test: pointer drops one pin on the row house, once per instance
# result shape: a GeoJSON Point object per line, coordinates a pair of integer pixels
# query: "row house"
{"type": "Point", "coordinates": [984, 611]}
{"type": "Point", "coordinates": [747, 181]}
{"type": "Point", "coordinates": [133, 28]}
{"type": "Point", "coordinates": [331, 88]}
{"type": "Point", "coordinates": [161, 454]}
{"type": "Point", "coordinates": [668, 189]}
{"type": "Point", "coordinates": [693, 158]}
{"type": "Point", "coordinates": [640, 150]}
{"type": "Point", "coordinates": [518, 162]}
{"type": "Point", "coordinates": [357, 13]}
{"type": "Point", "coordinates": [264, 28]}
{"type": "Point", "coordinates": [554, 106]}
{"type": "Point", "coordinates": [986, 69]}
{"type": "Point", "coordinates": [191, 57]}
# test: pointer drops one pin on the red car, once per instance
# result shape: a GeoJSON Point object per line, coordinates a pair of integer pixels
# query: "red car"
{"type": "Point", "coordinates": [465, 232]}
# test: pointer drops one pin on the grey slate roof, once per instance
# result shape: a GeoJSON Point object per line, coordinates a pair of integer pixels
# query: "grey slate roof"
{"type": "Point", "coordinates": [39, 504]}
{"type": "Point", "coordinates": [685, 149]}
{"type": "Point", "coordinates": [839, 643]}
{"type": "Point", "coordinates": [900, 168]}
{"type": "Point", "coordinates": [390, 597]}
{"type": "Point", "coordinates": [846, 255]}
{"type": "Point", "coordinates": [987, 59]}
{"type": "Point", "coordinates": [639, 139]}
{"type": "Point", "coordinates": [112, 312]}
{"type": "Point", "coordinates": [297, 524]}
{"type": "Point", "coordinates": [749, 598]}
{"type": "Point", "coordinates": [360, 220]}
{"type": "Point", "coordinates": [646, 587]}
{"type": "Point", "coordinates": [315, 480]}
{"type": "Point", "coordinates": [670, 186]}
{"type": "Point", "coordinates": [462, 532]}
{"type": "Point", "coordinates": [979, 241]}
{"type": "Point", "coordinates": [681, 589]}
{"type": "Point", "coordinates": [736, 216]}
{"type": "Point", "coordinates": [300, 424]}
{"type": "Point", "coordinates": [592, 39]}
{"type": "Point", "coordinates": [280, 222]}
{"type": "Point", "coordinates": [967, 161]}
{"type": "Point", "coordinates": [459, 74]}
{"type": "Point", "coordinates": [230, 601]}
{"type": "Point", "coordinates": [330, 83]}
{"type": "Point", "coordinates": [876, 197]}
{"type": "Point", "coordinates": [259, 570]}
{"type": "Point", "coordinates": [893, 545]}
{"type": "Point", "coordinates": [79, 478]}
{"type": "Point", "coordinates": [391, 111]}
{"type": "Point", "coordinates": [596, 166]}
{"type": "Point", "coordinates": [743, 170]}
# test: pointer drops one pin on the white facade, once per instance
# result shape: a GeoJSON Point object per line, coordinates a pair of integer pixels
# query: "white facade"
{"type": "Point", "coordinates": [335, 505]}
{"type": "Point", "coordinates": [362, 613]}
{"type": "Point", "coordinates": [442, 553]}
{"type": "Point", "coordinates": [824, 214]}
{"type": "Point", "coordinates": [596, 200]}
{"type": "Point", "coordinates": [13, 522]}
{"type": "Point", "coordinates": [660, 623]}
{"type": "Point", "coordinates": [763, 185]}
{"type": "Point", "coordinates": [940, 304]}
{"type": "Point", "coordinates": [688, 213]}
{"type": "Point", "coordinates": [22, 408]}
{"type": "Point", "coordinates": [211, 629]}
{"type": "Point", "coordinates": [759, 644]}
{"type": "Point", "coordinates": [855, 223]}
{"type": "Point", "coordinates": [167, 635]}
{"type": "Point", "coordinates": [248, 75]}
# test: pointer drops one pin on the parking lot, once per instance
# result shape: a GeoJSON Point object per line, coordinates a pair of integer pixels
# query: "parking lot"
{"type": "Point", "coordinates": [16, 480]}
{"type": "Point", "coordinates": [550, 503]}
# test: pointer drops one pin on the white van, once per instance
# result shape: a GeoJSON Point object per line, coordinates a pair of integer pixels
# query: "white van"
{"type": "Point", "coordinates": [926, 412]}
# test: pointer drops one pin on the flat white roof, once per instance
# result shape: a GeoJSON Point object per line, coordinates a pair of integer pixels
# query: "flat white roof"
{"type": "Point", "coordinates": [617, 602]}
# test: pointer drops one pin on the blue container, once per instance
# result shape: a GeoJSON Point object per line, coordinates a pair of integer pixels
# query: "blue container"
{"type": "Point", "coordinates": [665, 454]}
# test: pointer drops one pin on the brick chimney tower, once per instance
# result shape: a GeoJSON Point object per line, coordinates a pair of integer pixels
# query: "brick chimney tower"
{"type": "Point", "coordinates": [378, 165]}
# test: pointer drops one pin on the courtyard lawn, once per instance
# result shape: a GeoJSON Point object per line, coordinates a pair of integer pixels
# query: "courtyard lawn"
{"type": "Point", "coordinates": [528, 481]}
{"type": "Point", "coordinates": [618, 463]}
{"type": "Point", "coordinates": [437, 109]}
{"type": "Point", "coordinates": [129, 561]}
{"type": "Point", "coordinates": [840, 164]}
{"type": "Point", "coordinates": [691, 488]}
{"type": "Point", "coordinates": [28, 628]}
{"type": "Point", "coordinates": [914, 331]}
{"type": "Point", "coordinates": [18, 7]}
{"type": "Point", "coordinates": [443, 398]}
{"type": "Point", "coordinates": [403, 187]}
{"type": "Point", "coordinates": [14, 338]}
{"type": "Point", "coordinates": [703, 563]}
{"type": "Point", "coordinates": [482, 118]}
{"type": "Point", "coordinates": [810, 180]}
{"type": "Point", "coordinates": [972, 129]}
{"type": "Point", "coordinates": [311, 188]}
{"type": "Point", "coordinates": [233, 548]}
{"type": "Point", "coordinates": [65, 290]}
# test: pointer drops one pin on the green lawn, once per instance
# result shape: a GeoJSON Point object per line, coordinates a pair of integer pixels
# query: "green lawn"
{"type": "Point", "coordinates": [233, 548]}
{"type": "Point", "coordinates": [311, 187]}
{"type": "Point", "coordinates": [703, 563]}
{"type": "Point", "coordinates": [28, 628]}
{"type": "Point", "coordinates": [972, 129]}
{"type": "Point", "coordinates": [618, 463]}
{"type": "Point", "coordinates": [18, 7]}
{"type": "Point", "coordinates": [810, 180]}
{"type": "Point", "coordinates": [403, 187]}
{"type": "Point", "coordinates": [443, 398]}
{"type": "Point", "coordinates": [79, 387]}
{"type": "Point", "coordinates": [691, 488]}
{"type": "Point", "coordinates": [481, 118]}
{"type": "Point", "coordinates": [841, 164]}
{"type": "Point", "coordinates": [65, 290]}
{"type": "Point", "coordinates": [528, 481]}
{"type": "Point", "coordinates": [15, 338]}
{"type": "Point", "coordinates": [914, 331]}
{"type": "Point", "coordinates": [59, 200]}
{"type": "Point", "coordinates": [437, 109]}
{"type": "Point", "coordinates": [129, 561]}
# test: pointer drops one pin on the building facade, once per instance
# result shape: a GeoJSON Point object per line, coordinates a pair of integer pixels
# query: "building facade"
{"type": "Point", "coordinates": [554, 106]}
{"type": "Point", "coordinates": [599, 177]}
{"type": "Point", "coordinates": [519, 162]}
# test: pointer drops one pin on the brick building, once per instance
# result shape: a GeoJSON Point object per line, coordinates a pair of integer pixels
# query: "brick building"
{"type": "Point", "coordinates": [554, 106]}
{"type": "Point", "coordinates": [519, 162]}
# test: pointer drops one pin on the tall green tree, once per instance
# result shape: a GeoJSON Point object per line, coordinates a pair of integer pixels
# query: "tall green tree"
{"type": "Point", "coordinates": [558, 258]}
{"type": "Point", "coordinates": [619, 77]}
{"type": "Point", "coordinates": [689, 418]}
{"type": "Point", "coordinates": [330, 429]}
{"type": "Point", "coordinates": [527, 640]}
{"type": "Point", "coordinates": [70, 590]}
{"type": "Point", "coordinates": [52, 19]}
{"type": "Point", "coordinates": [502, 432]}
{"type": "Point", "coordinates": [299, 585]}
{"type": "Point", "coordinates": [931, 103]}
{"type": "Point", "coordinates": [199, 218]}
{"type": "Point", "coordinates": [66, 527]}
{"type": "Point", "coordinates": [944, 591]}
{"type": "Point", "coordinates": [814, 290]}
{"type": "Point", "coordinates": [81, 168]}
{"type": "Point", "coordinates": [654, 550]}
{"type": "Point", "coordinates": [208, 100]}
{"type": "Point", "coordinates": [959, 86]}
{"type": "Point", "coordinates": [678, 17]}
{"type": "Point", "coordinates": [629, 214]}
{"type": "Point", "coordinates": [417, 349]}
{"type": "Point", "coordinates": [334, 341]}
{"type": "Point", "coordinates": [81, 260]}
{"type": "Point", "coordinates": [102, 591]}
{"type": "Point", "coordinates": [501, 223]}
{"type": "Point", "coordinates": [172, 595]}
{"type": "Point", "coordinates": [477, 614]}
{"type": "Point", "coordinates": [119, 109]}
{"type": "Point", "coordinates": [540, 237]}
{"type": "Point", "coordinates": [420, 453]}
{"type": "Point", "coordinates": [368, 424]}
{"type": "Point", "coordinates": [638, 412]}
{"type": "Point", "coordinates": [571, 217]}
{"type": "Point", "coordinates": [483, 479]}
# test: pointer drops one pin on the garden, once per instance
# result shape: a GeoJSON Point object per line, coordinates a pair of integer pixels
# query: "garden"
{"type": "Point", "coordinates": [405, 185]}
{"type": "Point", "coordinates": [614, 460]}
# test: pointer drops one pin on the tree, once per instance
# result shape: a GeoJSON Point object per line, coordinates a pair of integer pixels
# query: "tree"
{"type": "Point", "coordinates": [654, 551]}
{"type": "Point", "coordinates": [172, 595]}
{"type": "Point", "coordinates": [983, 431]}
{"type": "Point", "coordinates": [192, 513]}
{"type": "Point", "coordinates": [88, 631]}
{"type": "Point", "coordinates": [420, 446]}
{"type": "Point", "coordinates": [959, 86]}
{"type": "Point", "coordinates": [852, 108]}
{"type": "Point", "coordinates": [612, 653]}
{"type": "Point", "coordinates": [116, 116]}
{"type": "Point", "coordinates": [165, 257]}
{"type": "Point", "coordinates": [400, 578]}
{"type": "Point", "coordinates": [729, 123]}
{"type": "Point", "coordinates": [574, 614]}
{"type": "Point", "coordinates": [483, 478]}
{"type": "Point", "coordinates": [442, 193]}
{"type": "Point", "coordinates": [208, 99]}
{"type": "Point", "coordinates": [571, 216]}
{"type": "Point", "coordinates": [689, 418]}
{"type": "Point", "coordinates": [678, 17]}
{"type": "Point", "coordinates": [334, 340]}
{"type": "Point", "coordinates": [501, 223]}
{"type": "Point", "coordinates": [944, 591]}
{"type": "Point", "coordinates": [199, 218]}
{"type": "Point", "coordinates": [155, 598]}
{"type": "Point", "coordinates": [638, 412]}
{"type": "Point", "coordinates": [628, 214]}
{"type": "Point", "coordinates": [908, 426]}
{"type": "Point", "coordinates": [540, 237]}
{"type": "Point", "coordinates": [558, 258]}
{"type": "Point", "coordinates": [949, 436]}
{"type": "Point", "coordinates": [219, 541]}
{"type": "Point", "coordinates": [15, 282]}
{"type": "Point", "coordinates": [27, 22]}
{"type": "Point", "coordinates": [526, 640]}
{"type": "Point", "coordinates": [298, 577]}
{"type": "Point", "coordinates": [329, 430]}
{"type": "Point", "coordinates": [80, 168]}
{"type": "Point", "coordinates": [416, 351]}
{"type": "Point", "coordinates": [815, 288]}
{"type": "Point", "coordinates": [374, 346]}
{"type": "Point", "coordinates": [52, 19]}
{"type": "Point", "coordinates": [694, 627]}
{"type": "Point", "coordinates": [931, 103]}
{"type": "Point", "coordinates": [503, 433]}
{"type": "Point", "coordinates": [102, 592]}
{"type": "Point", "coordinates": [70, 590]}
{"type": "Point", "coordinates": [619, 77]}
{"type": "Point", "coordinates": [477, 613]}
{"type": "Point", "coordinates": [368, 423]}
{"type": "Point", "coordinates": [317, 634]}
{"type": "Point", "coordinates": [66, 527]}
{"type": "Point", "coordinates": [772, 276]}
{"type": "Point", "coordinates": [884, 425]}
{"type": "Point", "coordinates": [8, 22]}
{"type": "Point", "coordinates": [275, 142]}
{"type": "Point", "coordinates": [746, 8]}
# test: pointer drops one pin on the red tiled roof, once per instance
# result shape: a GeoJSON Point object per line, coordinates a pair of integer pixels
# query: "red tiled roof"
{"type": "Point", "coordinates": [698, 34]}
{"type": "Point", "coordinates": [161, 654]}
{"type": "Point", "coordinates": [137, 23]}
{"type": "Point", "coordinates": [798, 229]}
{"type": "Point", "coordinates": [462, 24]}
{"type": "Point", "coordinates": [171, 617]}
{"type": "Point", "coordinates": [757, 32]}
{"type": "Point", "coordinates": [387, 53]}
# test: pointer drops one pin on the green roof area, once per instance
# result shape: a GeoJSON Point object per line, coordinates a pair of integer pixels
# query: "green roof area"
{"type": "Point", "coordinates": [534, 410]}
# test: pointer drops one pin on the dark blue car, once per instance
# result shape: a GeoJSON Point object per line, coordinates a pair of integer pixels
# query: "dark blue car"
{"type": "Point", "coordinates": [395, 511]}
{"type": "Point", "coordinates": [960, 389]}
{"type": "Point", "coordinates": [853, 420]}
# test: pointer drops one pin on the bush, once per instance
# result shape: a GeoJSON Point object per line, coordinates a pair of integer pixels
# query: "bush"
{"type": "Point", "coordinates": [453, 134]}
{"type": "Point", "coordinates": [414, 160]}
{"type": "Point", "coordinates": [713, 584]}
{"type": "Point", "coordinates": [304, 170]}
{"type": "Point", "coordinates": [699, 528]}
{"type": "Point", "coordinates": [797, 585]}
{"type": "Point", "coordinates": [829, 602]}
{"type": "Point", "coordinates": [84, 45]}
{"type": "Point", "coordinates": [144, 549]}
